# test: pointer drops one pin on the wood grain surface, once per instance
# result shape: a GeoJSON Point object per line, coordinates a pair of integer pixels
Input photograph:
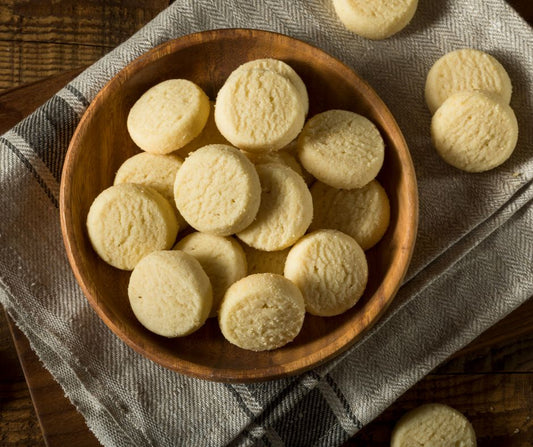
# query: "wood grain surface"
{"type": "Point", "coordinates": [490, 381]}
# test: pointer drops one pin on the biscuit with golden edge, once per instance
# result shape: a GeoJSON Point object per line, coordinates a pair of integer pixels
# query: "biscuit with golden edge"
{"type": "Point", "coordinates": [128, 221]}
{"type": "Point", "coordinates": [466, 70]}
{"type": "Point", "coordinates": [209, 135]}
{"type": "Point", "coordinates": [281, 68]}
{"type": "Point", "coordinates": [433, 425]}
{"type": "Point", "coordinates": [169, 293]}
{"type": "Point", "coordinates": [341, 148]}
{"type": "Point", "coordinates": [362, 213]}
{"type": "Point", "coordinates": [259, 110]}
{"type": "Point", "coordinates": [168, 116]}
{"type": "Point", "coordinates": [154, 170]}
{"type": "Point", "coordinates": [262, 312]}
{"type": "Point", "coordinates": [260, 261]}
{"type": "Point", "coordinates": [474, 131]}
{"type": "Point", "coordinates": [375, 19]}
{"type": "Point", "coordinates": [285, 212]}
{"type": "Point", "coordinates": [217, 190]}
{"type": "Point", "coordinates": [222, 258]}
{"type": "Point", "coordinates": [330, 269]}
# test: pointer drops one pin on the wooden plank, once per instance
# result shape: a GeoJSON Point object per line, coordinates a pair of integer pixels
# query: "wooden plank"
{"type": "Point", "coordinates": [18, 424]}
{"type": "Point", "coordinates": [41, 38]}
{"type": "Point", "coordinates": [97, 22]}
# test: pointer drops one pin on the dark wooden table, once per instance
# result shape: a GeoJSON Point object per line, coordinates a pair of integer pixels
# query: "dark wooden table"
{"type": "Point", "coordinates": [43, 44]}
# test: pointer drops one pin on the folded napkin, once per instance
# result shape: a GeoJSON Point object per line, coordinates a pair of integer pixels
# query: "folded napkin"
{"type": "Point", "coordinates": [472, 263]}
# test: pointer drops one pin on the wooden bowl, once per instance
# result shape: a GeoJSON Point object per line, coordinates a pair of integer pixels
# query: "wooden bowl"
{"type": "Point", "coordinates": [101, 143]}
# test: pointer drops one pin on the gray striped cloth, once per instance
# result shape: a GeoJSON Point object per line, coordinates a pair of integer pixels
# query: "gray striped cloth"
{"type": "Point", "coordinates": [472, 264]}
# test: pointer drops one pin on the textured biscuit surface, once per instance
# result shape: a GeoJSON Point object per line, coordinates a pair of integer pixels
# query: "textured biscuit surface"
{"type": "Point", "coordinates": [433, 425]}
{"type": "Point", "coordinates": [222, 258]}
{"type": "Point", "coordinates": [262, 312]}
{"type": "Point", "coordinates": [209, 135]}
{"type": "Point", "coordinates": [128, 221]}
{"type": "Point", "coordinates": [217, 190]}
{"type": "Point", "coordinates": [154, 170]}
{"type": "Point", "coordinates": [169, 293]}
{"type": "Point", "coordinates": [341, 148]}
{"type": "Point", "coordinates": [285, 212]}
{"type": "Point", "coordinates": [330, 269]}
{"type": "Point", "coordinates": [260, 261]}
{"type": "Point", "coordinates": [259, 110]}
{"type": "Point", "coordinates": [283, 69]}
{"type": "Point", "coordinates": [361, 213]}
{"type": "Point", "coordinates": [283, 157]}
{"type": "Point", "coordinates": [168, 116]}
{"type": "Point", "coordinates": [474, 131]}
{"type": "Point", "coordinates": [466, 70]}
{"type": "Point", "coordinates": [375, 19]}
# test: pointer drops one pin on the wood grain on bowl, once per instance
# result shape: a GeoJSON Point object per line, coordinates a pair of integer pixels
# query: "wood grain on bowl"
{"type": "Point", "coordinates": [101, 143]}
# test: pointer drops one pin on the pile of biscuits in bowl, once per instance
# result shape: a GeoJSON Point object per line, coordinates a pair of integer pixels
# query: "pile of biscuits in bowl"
{"type": "Point", "coordinates": [242, 209]}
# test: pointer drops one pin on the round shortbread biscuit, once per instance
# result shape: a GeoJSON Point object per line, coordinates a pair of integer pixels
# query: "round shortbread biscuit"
{"type": "Point", "coordinates": [466, 70]}
{"type": "Point", "coordinates": [262, 312]}
{"type": "Point", "coordinates": [168, 116]}
{"type": "Point", "coordinates": [128, 221]}
{"type": "Point", "coordinates": [341, 148]}
{"type": "Point", "coordinates": [222, 258]}
{"type": "Point", "coordinates": [330, 269]}
{"type": "Point", "coordinates": [433, 425]}
{"type": "Point", "coordinates": [169, 293]}
{"type": "Point", "coordinates": [285, 212]}
{"type": "Point", "coordinates": [154, 170]}
{"type": "Point", "coordinates": [361, 213]}
{"type": "Point", "coordinates": [282, 69]}
{"type": "Point", "coordinates": [260, 261]}
{"type": "Point", "coordinates": [375, 19]}
{"type": "Point", "coordinates": [474, 131]}
{"type": "Point", "coordinates": [259, 110]}
{"type": "Point", "coordinates": [209, 135]}
{"type": "Point", "coordinates": [217, 190]}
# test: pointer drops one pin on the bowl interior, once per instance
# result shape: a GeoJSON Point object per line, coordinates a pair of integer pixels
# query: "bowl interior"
{"type": "Point", "coordinates": [101, 143]}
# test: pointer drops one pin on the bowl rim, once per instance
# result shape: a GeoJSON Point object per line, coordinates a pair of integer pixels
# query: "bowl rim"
{"type": "Point", "coordinates": [185, 366]}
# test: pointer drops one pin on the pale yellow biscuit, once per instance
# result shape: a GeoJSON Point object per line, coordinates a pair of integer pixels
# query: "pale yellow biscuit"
{"type": "Point", "coordinates": [222, 258]}
{"type": "Point", "coordinates": [285, 212]}
{"type": "Point", "coordinates": [330, 269]}
{"type": "Point", "coordinates": [375, 19]}
{"type": "Point", "coordinates": [154, 170]}
{"type": "Point", "coordinates": [209, 135]}
{"type": "Point", "coordinates": [466, 70]}
{"type": "Point", "coordinates": [259, 110]}
{"type": "Point", "coordinates": [169, 293]}
{"type": "Point", "coordinates": [283, 157]}
{"type": "Point", "coordinates": [474, 131]}
{"type": "Point", "coordinates": [128, 221]}
{"type": "Point", "coordinates": [217, 190]}
{"type": "Point", "coordinates": [433, 425]}
{"type": "Point", "coordinates": [260, 261]}
{"type": "Point", "coordinates": [292, 149]}
{"type": "Point", "coordinates": [168, 116]}
{"type": "Point", "coordinates": [361, 213]}
{"type": "Point", "coordinates": [262, 312]}
{"type": "Point", "coordinates": [341, 148]}
{"type": "Point", "coordinates": [283, 69]}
